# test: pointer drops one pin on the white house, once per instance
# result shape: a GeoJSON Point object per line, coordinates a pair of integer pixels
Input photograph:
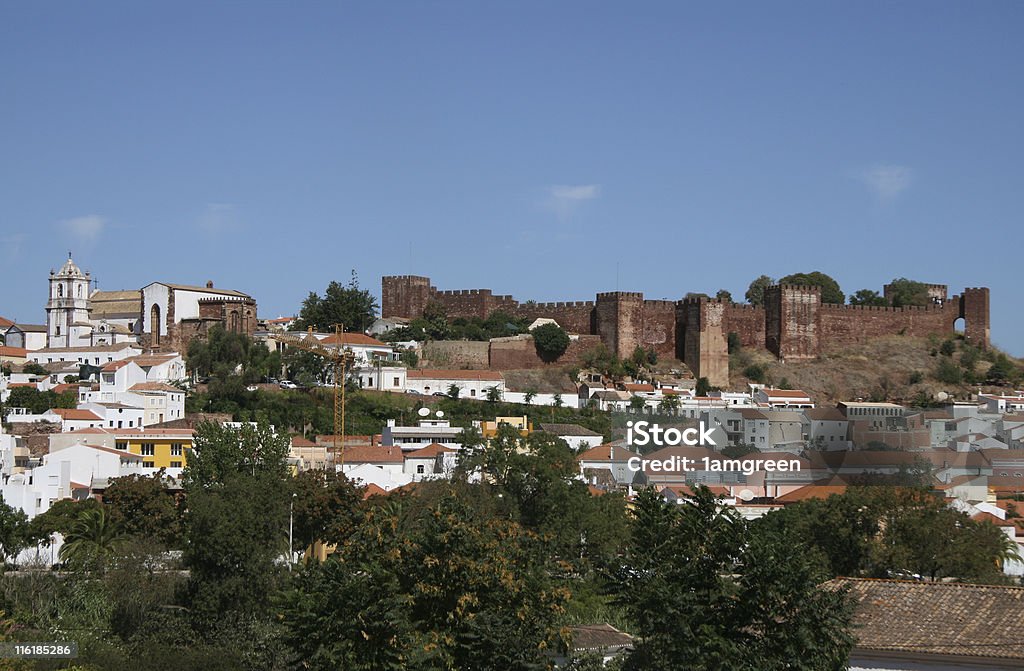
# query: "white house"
{"type": "Point", "coordinates": [471, 383]}
{"type": "Point", "coordinates": [788, 399]}
{"type": "Point", "coordinates": [92, 355]}
{"type": "Point", "coordinates": [432, 462]}
{"type": "Point", "coordinates": [996, 403]}
{"type": "Point", "coordinates": [575, 436]}
{"type": "Point", "coordinates": [426, 432]}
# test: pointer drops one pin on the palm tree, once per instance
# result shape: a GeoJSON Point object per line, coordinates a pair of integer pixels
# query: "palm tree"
{"type": "Point", "coordinates": [530, 395]}
{"type": "Point", "coordinates": [92, 538]}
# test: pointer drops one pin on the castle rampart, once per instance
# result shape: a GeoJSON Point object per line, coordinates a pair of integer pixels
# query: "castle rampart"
{"type": "Point", "coordinates": [793, 324]}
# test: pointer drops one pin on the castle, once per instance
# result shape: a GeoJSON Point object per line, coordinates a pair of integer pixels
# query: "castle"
{"type": "Point", "coordinates": [793, 323]}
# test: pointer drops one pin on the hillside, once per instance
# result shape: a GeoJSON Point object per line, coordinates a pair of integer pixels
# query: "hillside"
{"type": "Point", "coordinates": [897, 368]}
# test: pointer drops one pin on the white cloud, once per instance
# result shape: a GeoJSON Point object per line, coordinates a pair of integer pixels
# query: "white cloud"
{"type": "Point", "coordinates": [565, 199]}
{"type": "Point", "coordinates": [887, 182]}
{"type": "Point", "coordinates": [85, 230]}
{"type": "Point", "coordinates": [218, 219]}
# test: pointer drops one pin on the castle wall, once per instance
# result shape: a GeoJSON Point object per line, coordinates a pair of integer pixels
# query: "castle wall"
{"type": "Point", "coordinates": [519, 353]}
{"type": "Point", "coordinates": [793, 324]}
{"type": "Point", "coordinates": [747, 321]}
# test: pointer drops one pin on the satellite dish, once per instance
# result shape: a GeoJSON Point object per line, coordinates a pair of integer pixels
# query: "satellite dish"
{"type": "Point", "coordinates": [423, 412]}
{"type": "Point", "coordinates": [440, 413]}
{"type": "Point", "coordinates": [942, 396]}
{"type": "Point", "coordinates": [745, 495]}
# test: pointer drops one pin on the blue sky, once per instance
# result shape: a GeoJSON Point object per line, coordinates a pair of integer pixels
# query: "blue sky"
{"type": "Point", "coordinates": [545, 149]}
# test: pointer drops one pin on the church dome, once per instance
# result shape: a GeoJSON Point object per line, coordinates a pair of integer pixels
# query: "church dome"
{"type": "Point", "coordinates": [69, 269]}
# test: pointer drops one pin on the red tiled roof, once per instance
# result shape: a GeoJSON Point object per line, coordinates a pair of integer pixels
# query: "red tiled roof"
{"type": "Point", "coordinates": [373, 490]}
{"type": "Point", "coordinates": [121, 453]}
{"type": "Point", "coordinates": [367, 454]}
{"type": "Point", "coordinates": [429, 452]}
{"type": "Point", "coordinates": [604, 453]}
{"type": "Point", "coordinates": [353, 339]}
{"type": "Point", "coordinates": [5, 322]}
{"type": "Point", "coordinates": [638, 387]}
{"type": "Point", "coordinates": [115, 365]}
{"type": "Point", "coordinates": [12, 385]}
{"type": "Point", "coordinates": [811, 492]}
{"type": "Point", "coordinates": [154, 386]}
{"type": "Point", "coordinates": [434, 374]}
{"type": "Point", "coordinates": [299, 441]}
{"type": "Point", "coordinates": [75, 414]}
{"type": "Point", "coordinates": [786, 393]}
{"type": "Point", "coordinates": [14, 352]}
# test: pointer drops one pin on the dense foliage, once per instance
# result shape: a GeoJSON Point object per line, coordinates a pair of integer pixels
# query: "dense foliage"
{"type": "Point", "coordinates": [830, 291]}
{"type": "Point", "coordinates": [434, 324]}
{"type": "Point", "coordinates": [551, 341]}
{"type": "Point", "coordinates": [349, 305]}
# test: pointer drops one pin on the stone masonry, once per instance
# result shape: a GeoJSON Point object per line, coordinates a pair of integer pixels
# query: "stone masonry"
{"type": "Point", "coordinates": [793, 324]}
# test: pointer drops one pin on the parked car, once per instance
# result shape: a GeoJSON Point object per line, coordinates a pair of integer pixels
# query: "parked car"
{"type": "Point", "coordinates": [288, 384]}
{"type": "Point", "coordinates": [439, 393]}
{"type": "Point", "coordinates": [413, 392]}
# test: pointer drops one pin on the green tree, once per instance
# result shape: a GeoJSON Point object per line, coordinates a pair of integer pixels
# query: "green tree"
{"type": "Point", "coordinates": [830, 291]}
{"type": "Point", "coordinates": [454, 390]}
{"type": "Point", "coordinates": [867, 297]}
{"type": "Point", "coordinates": [670, 404]}
{"type": "Point", "coordinates": [550, 340]}
{"type": "Point", "coordinates": [349, 305]}
{"type": "Point", "coordinates": [34, 368]}
{"type": "Point", "coordinates": [16, 532]}
{"type": "Point", "coordinates": [529, 396]}
{"type": "Point", "coordinates": [327, 507]}
{"type": "Point", "coordinates": [755, 292]}
{"type": "Point", "coordinates": [724, 295]}
{"type": "Point", "coordinates": [144, 507]}
{"type": "Point", "coordinates": [435, 584]}
{"type": "Point", "coordinates": [903, 292]}
{"type": "Point", "coordinates": [1002, 371]}
{"type": "Point", "coordinates": [756, 372]}
{"type": "Point", "coordinates": [703, 387]}
{"type": "Point", "coordinates": [93, 538]}
{"type": "Point", "coordinates": [637, 404]}
{"type": "Point", "coordinates": [493, 394]}
{"type": "Point", "coordinates": [236, 486]}
{"type": "Point", "coordinates": [700, 587]}
{"type": "Point", "coordinates": [224, 353]}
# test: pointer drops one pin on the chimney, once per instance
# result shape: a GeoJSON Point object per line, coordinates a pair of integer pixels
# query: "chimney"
{"type": "Point", "coordinates": [209, 284]}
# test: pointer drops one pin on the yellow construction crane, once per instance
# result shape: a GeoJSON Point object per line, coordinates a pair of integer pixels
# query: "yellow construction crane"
{"type": "Point", "coordinates": [340, 359]}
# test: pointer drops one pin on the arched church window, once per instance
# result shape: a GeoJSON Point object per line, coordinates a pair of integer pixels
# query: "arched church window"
{"type": "Point", "coordinates": [60, 291]}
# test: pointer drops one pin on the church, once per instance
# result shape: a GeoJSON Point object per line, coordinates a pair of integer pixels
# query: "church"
{"type": "Point", "coordinates": [160, 316]}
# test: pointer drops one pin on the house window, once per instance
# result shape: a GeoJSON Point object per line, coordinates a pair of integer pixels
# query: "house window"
{"type": "Point", "coordinates": [147, 449]}
{"type": "Point", "coordinates": [176, 450]}
{"type": "Point", "coordinates": [472, 392]}
{"type": "Point", "coordinates": [121, 445]}
{"type": "Point", "coordinates": [396, 382]}
{"type": "Point", "coordinates": [147, 464]}
{"type": "Point", "coordinates": [419, 469]}
{"type": "Point", "coordinates": [175, 464]}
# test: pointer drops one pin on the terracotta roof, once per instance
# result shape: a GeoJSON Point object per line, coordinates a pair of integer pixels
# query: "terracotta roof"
{"type": "Point", "coordinates": [75, 414]}
{"type": "Point", "coordinates": [604, 453]}
{"type": "Point", "coordinates": [824, 414]}
{"type": "Point", "coordinates": [154, 386]}
{"type": "Point", "coordinates": [434, 374]}
{"type": "Point", "coordinates": [353, 339]}
{"type": "Point", "coordinates": [66, 386]}
{"type": "Point", "coordinates": [205, 290]}
{"type": "Point", "coordinates": [31, 328]}
{"type": "Point", "coordinates": [989, 517]}
{"type": "Point", "coordinates": [786, 393]}
{"type": "Point", "coordinates": [751, 413]}
{"type": "Point", "coordinates": [12, 385]}
{"type": "Point", "coordinates": [598, 637]}
{"type": "Point", "coordinates": [372, 490]}
{"type": "Point", "coordinates": [125, 454]}
{"type": "Point", "coordinates": [15, 352]}
{"type": "Point", "coordinates": [367, 454]}
{"type": "Point", "coordinates": [115, 365]}
{"type": "Point", "coordinates": [429, 452]}
{"type": "Point", "coordinates": [567, 430]}
{"type": "Point", "coordinates": [5, 322]}
{"type": "Point", "coordinates": [638, 387]}
{"type": "Point", "coordinates": [147, 360]}
{"type": "Point", "coordinates": [934, 618]}
{"type": "Point", "coordinates": [300, 441]}
{"type": "Point", "coordinates": [811, 492]}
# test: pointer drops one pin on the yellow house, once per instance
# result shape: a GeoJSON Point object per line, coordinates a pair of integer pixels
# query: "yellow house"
{"type": "Point", "coordinates": [159, 448]}
{"type": "Point", "coordinates": [490, 429]}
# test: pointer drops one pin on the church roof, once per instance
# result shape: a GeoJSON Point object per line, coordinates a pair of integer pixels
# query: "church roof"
{"type": "Point", "coordinates": [69, 269]}
{"type": "Point", "coordinates": [206, 290]}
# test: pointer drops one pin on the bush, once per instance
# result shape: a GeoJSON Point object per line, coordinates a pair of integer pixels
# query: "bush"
{"type": "Point", "coordinates": [917, 377]}
{"type": "Point", "coordinates": [733, 340]}
{"type": "Point", "coordinates": [948, 347]}
{"type": "Point", "coordinates": [551, 341]}
{"type": "Point", "coordinates": [948, 372]}
{"type": "Point", "coordinates": [756, 372]}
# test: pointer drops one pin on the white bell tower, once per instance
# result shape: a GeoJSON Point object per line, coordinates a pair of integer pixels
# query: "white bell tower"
{"type": "Point", "coordinates": [67, 310]}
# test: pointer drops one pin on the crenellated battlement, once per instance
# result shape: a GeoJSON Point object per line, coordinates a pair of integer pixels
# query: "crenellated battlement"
{"type": "Point", "coordinates": [793, 322]}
